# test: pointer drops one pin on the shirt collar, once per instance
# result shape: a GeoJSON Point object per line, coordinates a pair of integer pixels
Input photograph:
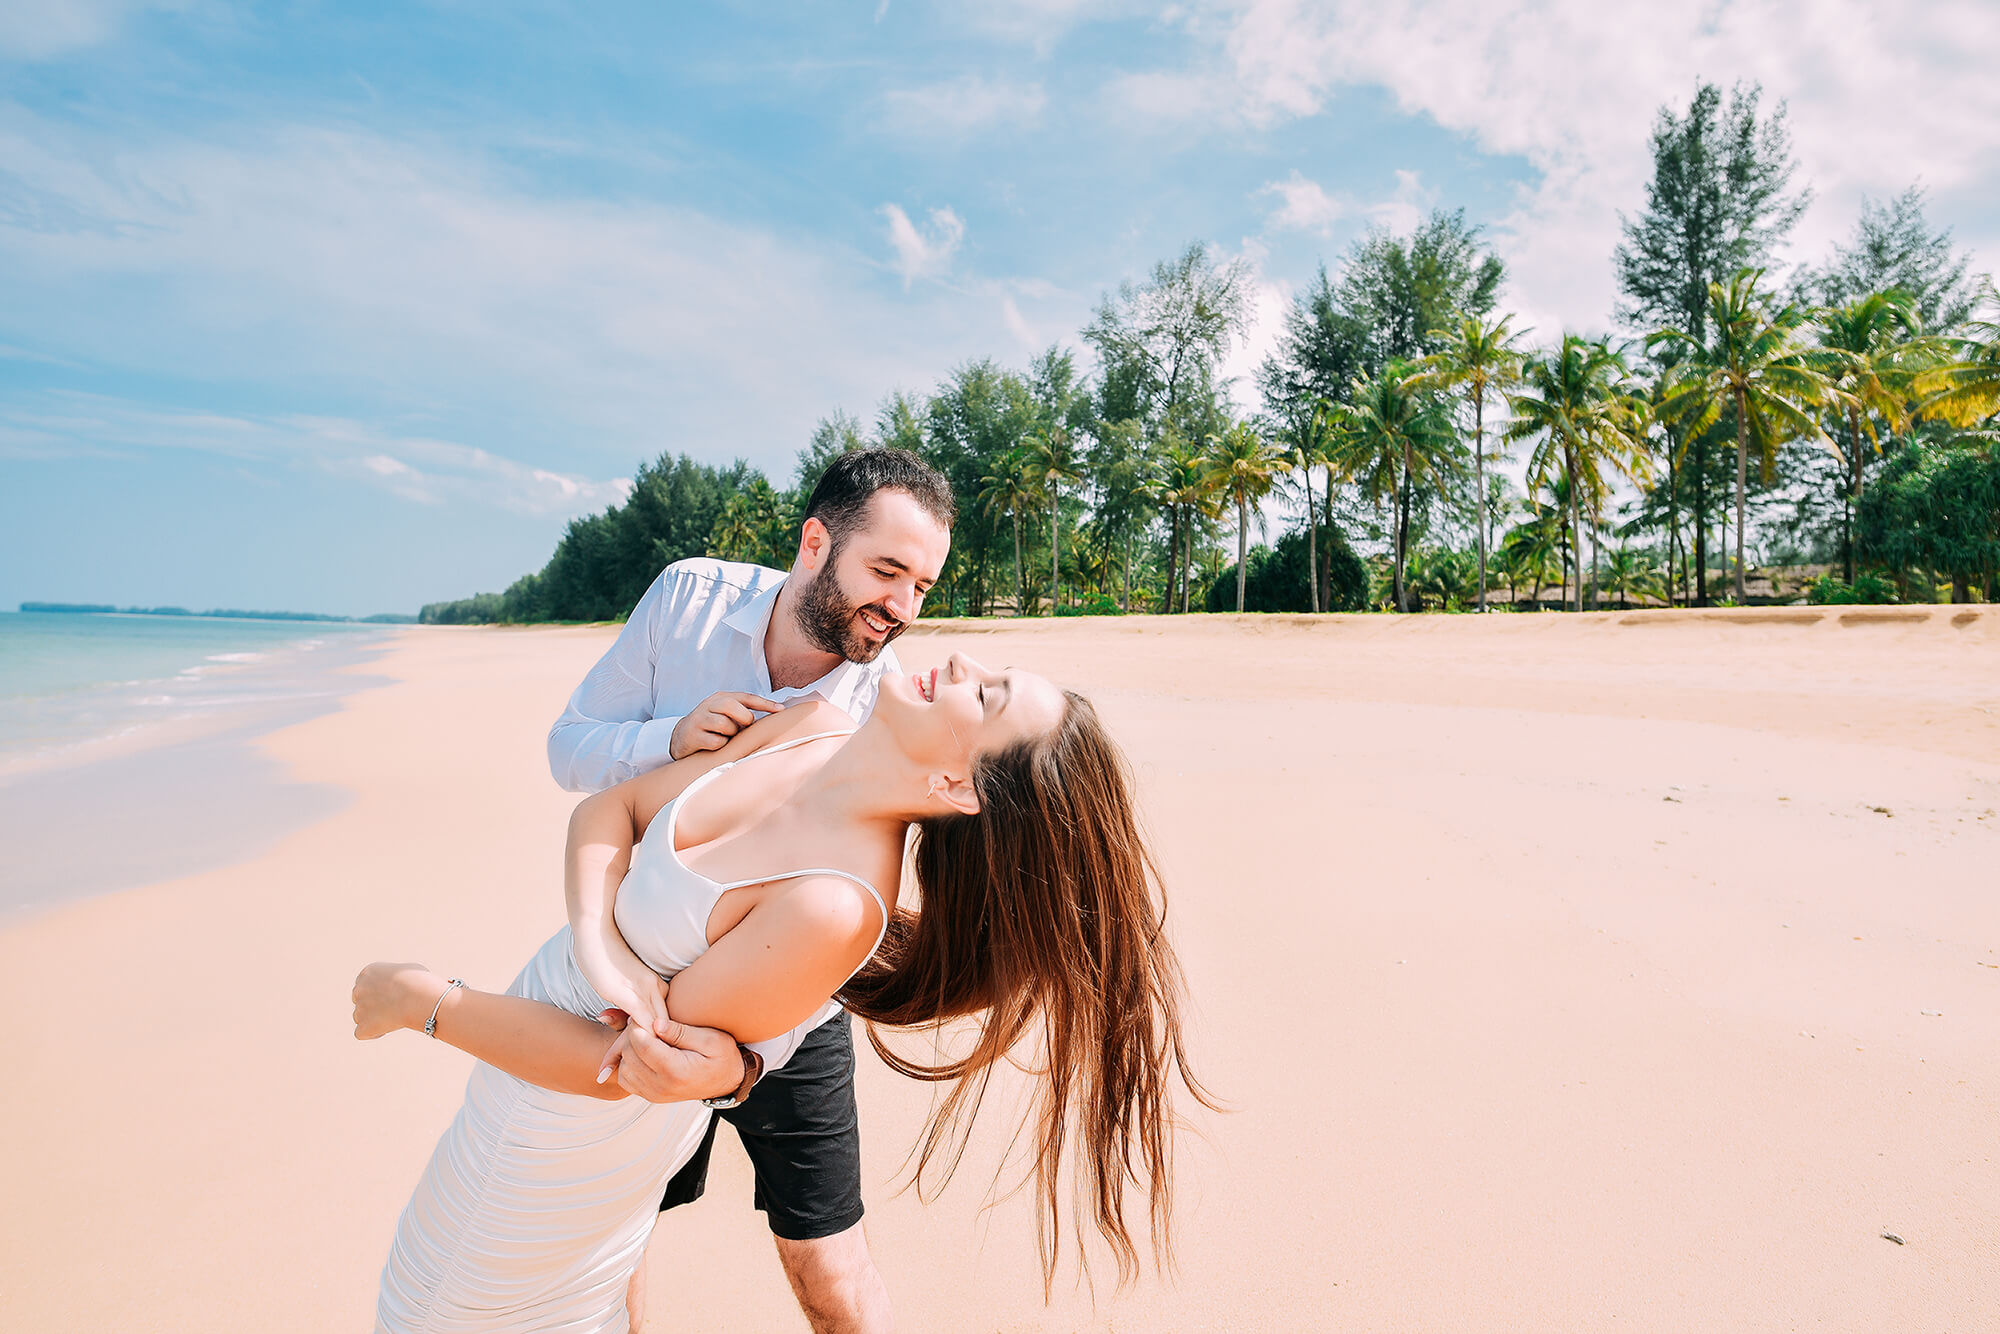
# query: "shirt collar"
{"type": "Point", "coordinates": [753, 619]}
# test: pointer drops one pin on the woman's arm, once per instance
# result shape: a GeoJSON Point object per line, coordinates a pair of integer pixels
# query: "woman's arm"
{"type": "Point", "coordinates": [783, 961]}
{"type": "Point", "coordinates": [605, 827]}
{"type": "Point", "coordinates": [539, 1043]}
{"type": "Point", "coordinates": [544, 1044]}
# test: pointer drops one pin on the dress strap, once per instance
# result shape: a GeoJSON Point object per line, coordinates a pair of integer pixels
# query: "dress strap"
{"type": "Point", "coordinates": [795, 741]}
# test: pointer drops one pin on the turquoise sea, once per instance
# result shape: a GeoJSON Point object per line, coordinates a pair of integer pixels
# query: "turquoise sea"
{"type": "Point", "coordinates": [69, 679]}
{"type": "Point", "coordinates": [127, 750]}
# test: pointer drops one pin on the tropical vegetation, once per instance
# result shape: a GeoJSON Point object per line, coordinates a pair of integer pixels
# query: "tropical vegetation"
{"type": "Point", "coordinates": [1413, 447]}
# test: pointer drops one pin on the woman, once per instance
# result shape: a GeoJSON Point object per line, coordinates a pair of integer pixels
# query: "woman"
{"type": "Point", "coordinates": [1038, 916]}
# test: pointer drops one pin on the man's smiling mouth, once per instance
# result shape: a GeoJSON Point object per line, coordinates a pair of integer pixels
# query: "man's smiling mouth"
{"type": "Point", "coordinates": [874, 622]}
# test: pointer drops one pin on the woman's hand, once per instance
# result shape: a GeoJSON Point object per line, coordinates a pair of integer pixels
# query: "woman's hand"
{"type": "Point", "coordinates": [389, 996]}
{"type": "Point", "coordinates": [621, 977]}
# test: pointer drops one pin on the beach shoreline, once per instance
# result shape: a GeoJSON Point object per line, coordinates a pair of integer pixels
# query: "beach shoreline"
{"type": "Point", "coordinates": [1562, 972]}
{"type": "Point", "coordinates": [192, 790]}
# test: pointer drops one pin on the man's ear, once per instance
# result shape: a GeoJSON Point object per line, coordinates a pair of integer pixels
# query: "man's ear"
{"type": "Point", "coordinates": [957, 793]}
{"type": "Point", "coordinates": [815, 546]}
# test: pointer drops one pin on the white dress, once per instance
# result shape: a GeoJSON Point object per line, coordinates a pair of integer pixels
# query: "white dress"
{"type": "Point", "coordinates": [536, 1205]}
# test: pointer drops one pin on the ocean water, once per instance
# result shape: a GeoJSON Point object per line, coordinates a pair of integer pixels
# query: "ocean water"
{"type": "Point", "coordinates": [127, 744]}
{"type": "Point", "coordinates": [70, 681]}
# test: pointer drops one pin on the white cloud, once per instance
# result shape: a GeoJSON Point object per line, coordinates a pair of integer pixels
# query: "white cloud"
{"type": "Point", "coordinates": [1880, 95]}
{"type": "Point", "coordinates": [1305, 205]}
{"type": "Point", "coordinates": [1041, 23]}
{"type": "Point", "coordinates": [1166, 97]}
{"type": "Point", "coordinates": [1270, 299]}
{"type": "Point", "coordinates": [924, 253]}
{"type": "Point", "coordinates": [1010, 314]}
{"type": "Point", "coordinates": [40, 29]}
{"type": "Point", "coordinates": [961, 106]}
{"type": "Point", "coordinates": [62, 424]}
{"type": "Point", "coordinates": [392, 281]}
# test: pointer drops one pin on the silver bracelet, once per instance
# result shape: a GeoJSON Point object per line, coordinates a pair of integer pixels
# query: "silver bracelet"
{"type": "Point", "coordinates": [431, 1024]}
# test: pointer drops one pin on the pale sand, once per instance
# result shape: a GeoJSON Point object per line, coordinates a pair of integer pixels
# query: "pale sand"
{"type": "Point", "coordinates": [1566, 973]}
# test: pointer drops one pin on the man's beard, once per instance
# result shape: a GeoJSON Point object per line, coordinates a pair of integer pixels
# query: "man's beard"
{"type": "Point", "coordinates": [830, 622]}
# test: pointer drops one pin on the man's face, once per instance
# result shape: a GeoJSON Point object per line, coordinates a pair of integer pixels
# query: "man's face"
{"type": "Point", "coordinates": [873, 583]}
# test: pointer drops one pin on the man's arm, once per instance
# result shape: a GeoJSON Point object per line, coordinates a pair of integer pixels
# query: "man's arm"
{"type": "Point", "coordinates": [607, 733]}
{"type": "Point", "coordinates": [543, 1044]}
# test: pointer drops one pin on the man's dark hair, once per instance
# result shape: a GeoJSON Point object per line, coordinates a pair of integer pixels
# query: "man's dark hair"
{"type": "Point", "coordinates": [840, 498]}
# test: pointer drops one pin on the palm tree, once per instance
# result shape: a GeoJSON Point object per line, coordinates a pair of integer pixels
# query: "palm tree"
{"type": "Point", "coordinates": [1392, 436]}
{"type": "Point", "coordinates": [1126, 482]}
{"type": "Point", "coordinates": [1008, 489]}
{"type": "Point", "coordinates": [1438, 572]}
{"type": "Point", "coordinates": [1309, 436]}
{"type": "Point", "coordinates": [1480, 357]}
{"type": "Point", "coordinates": [1632, 574]}
{"type": "Point", "coordinates": [1244, 467]}
{"type": "Point", "coordinates": [1051, 461]}
{"type": "Point", "coordinates": [1530, 551]}
{"type": "Point", "coordinates": [1184, 489]}
{"type": "Point", "coordinates": [1575, 405]}
{"type": "Point", "coordinates": [1755, 364]}
{"type": "Point", "coordinates": [1878, 360]}
{"type": "Point", "coordinates": [1967, 391]}
{"type": "Point", "coordinates": [735, 535]}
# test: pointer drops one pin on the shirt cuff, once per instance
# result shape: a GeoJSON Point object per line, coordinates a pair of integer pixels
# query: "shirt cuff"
{"type": "Point", "coordinates": [653, 746]}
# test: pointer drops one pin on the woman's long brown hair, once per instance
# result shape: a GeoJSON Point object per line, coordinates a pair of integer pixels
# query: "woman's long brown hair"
{"type": "Point", "coordinates": [1042, 917]}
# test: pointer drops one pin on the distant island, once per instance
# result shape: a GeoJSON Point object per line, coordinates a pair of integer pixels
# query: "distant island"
{"type": "Point", "coordinates": [101, 609]}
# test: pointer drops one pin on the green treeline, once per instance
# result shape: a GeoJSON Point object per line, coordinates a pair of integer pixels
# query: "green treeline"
{"type": "Point", "coordinates": [1827, 436]}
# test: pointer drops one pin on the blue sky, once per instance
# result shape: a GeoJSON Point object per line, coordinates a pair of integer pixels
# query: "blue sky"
{"type": "Point", "coordinates": [352, 307]}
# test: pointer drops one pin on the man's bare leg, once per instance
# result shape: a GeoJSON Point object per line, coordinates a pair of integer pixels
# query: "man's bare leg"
{"type": "Point", "coordinates": [836, 1283]}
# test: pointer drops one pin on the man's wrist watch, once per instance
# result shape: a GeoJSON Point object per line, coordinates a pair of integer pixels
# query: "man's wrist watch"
{"type": "Point", "coordinates": [753, 1070]}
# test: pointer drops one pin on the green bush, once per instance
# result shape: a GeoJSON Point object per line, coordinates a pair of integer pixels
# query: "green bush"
{"type": "Point", "coordinates": [1277, 579]}
{"type": "Point", "coordinates": [1101, 604]}
{"type": "Point", "coordinates": [1868, 588]}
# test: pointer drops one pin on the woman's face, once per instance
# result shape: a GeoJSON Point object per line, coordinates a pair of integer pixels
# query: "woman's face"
{"type": "Point", "coordinates": [945, 718]}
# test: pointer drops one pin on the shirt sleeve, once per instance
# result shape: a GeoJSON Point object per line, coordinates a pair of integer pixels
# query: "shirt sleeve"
{"type": "Point", "coordinates": [608, 733]}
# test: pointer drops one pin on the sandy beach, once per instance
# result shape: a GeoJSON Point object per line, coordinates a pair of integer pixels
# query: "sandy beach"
{"type": "Point", "coordinates": [1618, 971]}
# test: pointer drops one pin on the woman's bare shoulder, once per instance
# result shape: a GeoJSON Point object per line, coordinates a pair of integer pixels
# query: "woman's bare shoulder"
{"type": "Point", "coordinates": [808, 718]}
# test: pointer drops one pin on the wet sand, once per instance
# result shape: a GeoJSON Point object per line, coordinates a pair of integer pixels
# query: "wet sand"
{"type": "Point", "coordinates": [1615, 971]}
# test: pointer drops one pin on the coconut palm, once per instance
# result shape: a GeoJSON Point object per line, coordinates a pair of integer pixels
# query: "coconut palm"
{"type": "Point", "coordinates": [1127, 485]}
{"type": "Point", "coordinates": [735, 535]}
{"type": "Point", "coordinates": [1443, 575]}
{"type": "Point", "coordinates": [1878, 358]}
{"type": "Point", "coordinates": [1531, 553]}
{"type": "Point", "coordinates": [1051, 461]}
{"type": "Point", "coordinates": [1967, 391]}
{"type": "Point", "coordinates": [1754, 363]}
{"type": "Point", "coordinates": [1392, 436]}
{"type": "Point", "coordinates": [1631, 574]}
{"type": "Point", "coordinates": [1480, 357]}
{"type": "Point", "coordinates": [1587, 427]}
{"type": "Point", "coordinates": [1308, 436]}
{"type": "Point", "coordinates": [1008, 489]}
{"type": "Point", "coordinates": [1185, 490]}
{"type": "Point", "coordinates": [1243, 466]}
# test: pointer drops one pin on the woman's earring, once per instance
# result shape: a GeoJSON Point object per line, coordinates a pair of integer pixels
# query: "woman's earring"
{"type": "Point", "coordinates": [935, 787]}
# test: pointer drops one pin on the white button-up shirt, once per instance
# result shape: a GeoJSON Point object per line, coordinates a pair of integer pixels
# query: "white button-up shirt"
{"type": "Point", "coordinates": [699, 629]}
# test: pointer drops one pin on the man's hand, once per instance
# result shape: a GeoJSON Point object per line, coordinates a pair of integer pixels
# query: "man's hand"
{"type": "Point", "coordinates": [682, 1064]}
{"type": "Point", "coordinates": [716, 719]}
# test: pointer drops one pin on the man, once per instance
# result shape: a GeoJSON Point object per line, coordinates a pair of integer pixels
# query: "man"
{"type": "Point", "coordinates": [711, 646]}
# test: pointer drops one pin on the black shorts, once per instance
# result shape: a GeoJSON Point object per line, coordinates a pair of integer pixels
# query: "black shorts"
{"type": "Point", "coordinates": [800, 1129]}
